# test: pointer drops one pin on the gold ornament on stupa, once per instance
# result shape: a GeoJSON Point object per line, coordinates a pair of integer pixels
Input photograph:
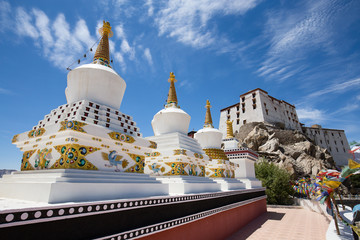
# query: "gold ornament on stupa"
{"type": "Point", "coordinates": [102, 51]}
{"type": "Point", "coordinates": [208, 119]}
{"type": "Point", "coordinates": [229, 129]}
{"type": "Point", "coordinates": [172, 99]}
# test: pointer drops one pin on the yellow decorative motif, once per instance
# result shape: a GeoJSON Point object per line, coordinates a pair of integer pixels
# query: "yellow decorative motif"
{"type": "Point", "coordinates": [156, 168]}
{"type": "Point", "coordinates": [72, 125]}
{"type": "Point", "coordinates": [34, 146]}
{"type": "Point", "coordinates": [105, 146]}
{"type": "Point", "coordinates": [15, 138]}
{"type": "Point", "coordinates": [114, 160]}
{"type": "Point", "coordinates": [96, 139]}
{"type": "Point", "coordinates": [179, 152]}
{"type": "Point", "coordinates": [177, 168]}
{"type": "Point", "coordinates": [43, 158]}
{"type": "Point", "coordinates": [102, 51]}
{"type": "Point", "coordinates": [172, 98]}
{"type": "Point", "coordinates": [25, 164]}
{"type": "Point", "coordinates": [119, 143]}
{"type": "Point", "coordinates": [73, 156]}
{"type": "Point", "coordinates": [71, 139]}
{"type": "Point", "coordinates": [52, 136]}
{"type": "Point", "coordinates": [202, 173]}
{"type": "Point", "coordinates": [36, 133]}
{"type": "Point", "coordinates": [153, 144]}
{"type": "Point", "coordinates": [48, 143]}
{"type": "Point", "coordinates": [218, 172]}
{"type": "Point", "coordinates": [125, 150]}
{"type": "Point", "coordinates": [27, 142]}
{"type": "Point", "coordinates": [139, 163]}
{"type": "Point", "coordinates": [38, 140]}
{"type": "Point", "coordinates": [198, 155]}
{"type": "Point", "coordinates": [121, 137]}
{"type": "Point", "coordinates": [215, 153]}
{"type": "Point", "coordinates": [137, 147]}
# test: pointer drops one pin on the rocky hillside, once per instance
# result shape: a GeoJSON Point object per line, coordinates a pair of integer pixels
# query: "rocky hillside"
{"type": "Point", "coordinates": [289, 149]}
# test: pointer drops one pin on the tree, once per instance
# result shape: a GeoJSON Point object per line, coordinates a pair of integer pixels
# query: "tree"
{"type": "Point", "coordinates": [277, 183]}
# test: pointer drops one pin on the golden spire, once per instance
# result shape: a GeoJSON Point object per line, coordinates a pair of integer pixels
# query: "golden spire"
{"type": "Point", "coordinates": [172, 92]}
{"type": "Point", "coordinates": [229, 129]}
{"type": "Point", "coordinates": [208, 119]}
{"type": "Point", "coordinates": [102, 51]}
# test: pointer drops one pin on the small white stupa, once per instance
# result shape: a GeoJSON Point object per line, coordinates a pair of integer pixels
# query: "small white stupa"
{"type": "Point", "coordinates": [179, 159]}
{"type": "Point", "coordinates": [86, 149]}
{"type": "Point", "coordinates": [244, 157]}
{"type": "Point", "coordinates": [219, 167]}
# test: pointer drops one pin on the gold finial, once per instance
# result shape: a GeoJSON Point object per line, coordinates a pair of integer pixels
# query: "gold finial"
{"type": "Point", "coordinates": [208, 119]}
{"type": "Point", "coordinates": [102, 51]}
{"type": "Point", "coordinates": [229, 129]}
{"type": "Point", "coordinates": [172, 92]}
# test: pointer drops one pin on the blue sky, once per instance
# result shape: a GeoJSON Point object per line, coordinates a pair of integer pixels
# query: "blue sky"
{"type": "Point", "coordinates": [304, 52]}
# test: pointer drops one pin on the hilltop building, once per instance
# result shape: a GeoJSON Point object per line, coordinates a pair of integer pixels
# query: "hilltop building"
{"type": "Point", "coordinates": [258, 106]}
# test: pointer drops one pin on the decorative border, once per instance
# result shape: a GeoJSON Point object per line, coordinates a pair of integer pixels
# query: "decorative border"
{"type": "Point", "coordinates": [24, 216]}
{"type": "Point", "coordinates": [148, 230]}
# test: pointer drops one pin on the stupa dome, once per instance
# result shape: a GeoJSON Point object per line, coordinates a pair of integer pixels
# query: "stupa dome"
{"type": "Point", "coordinates": [171, 118]}
{"type": "Point", "coordinates": [209, 137]}
{"type": "Point", "coordinates": [97, 81]}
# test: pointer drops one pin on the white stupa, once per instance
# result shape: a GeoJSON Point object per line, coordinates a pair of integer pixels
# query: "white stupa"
{"type": "Point", "coordinates": [86, 149]}
{"type": "Point", "coordinates": [244, 157]}
{"type": "Point", "coordinates": [178, 160]}
{"type": "Point", "coordinates": [219, 167]}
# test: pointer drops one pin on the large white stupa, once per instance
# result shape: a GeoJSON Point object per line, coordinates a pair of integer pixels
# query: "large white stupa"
{"type": "Point", "coordinates": [88, 133]}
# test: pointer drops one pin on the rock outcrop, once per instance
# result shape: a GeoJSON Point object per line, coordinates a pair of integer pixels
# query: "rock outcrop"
{"type": "Point", "coordinates": [289, 149]}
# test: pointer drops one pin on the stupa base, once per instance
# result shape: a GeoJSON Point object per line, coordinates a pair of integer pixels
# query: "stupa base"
{"type": "Point", "coordinates": [72, 185]}
{"type": "Point", "coordinates": [230, 183]}
{"type": "Point", "coordinates": [194, 216]}
{"type": "Point", "coordinates": [189, 184]}
{"type": "Point", "coordinates": [251, 182]}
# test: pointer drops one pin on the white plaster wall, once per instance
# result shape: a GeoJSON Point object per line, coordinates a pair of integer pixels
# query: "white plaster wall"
{"type": "Point", "coordinates": [333, 140]}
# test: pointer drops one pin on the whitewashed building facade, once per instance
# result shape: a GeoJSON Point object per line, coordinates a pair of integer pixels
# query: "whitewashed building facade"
{"type": "Point", "coordinates": [258, 106]}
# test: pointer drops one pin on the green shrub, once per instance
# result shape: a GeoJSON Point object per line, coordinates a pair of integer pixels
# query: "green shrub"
{"type": "Point", "coordinates": [277, 183]}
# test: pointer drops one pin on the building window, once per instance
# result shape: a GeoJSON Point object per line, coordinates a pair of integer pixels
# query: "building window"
{"type": "Point", "coordinates": [267, 111]}
{"type": "Point", "coordinates": [237, 108]}
{"type": "Point", "coordinates": [237, 121]}
{"type": "Point", "coordinates": [320, 141]}
{"type": "Point", "coordinates": [330, 149]}
{"type": "Point", "coordinates": [243, 110]}
{"type": "Point", "coordinates": [275, 108]}
{"type": "Point", "coordinates": [344, 149]}
{"type": "Point", "coordinates": [238, 115]}
{"type": "Point", "coordinates": [328, 142]}
{"type": "Point", "coordinates": [228, 111]}
{"type": "Point", "coordinates": [254, 106]}
{"type": "Point", "coordinates": [254, 100]}
{"type": "Point", "coordinates": [339, 135]}
{"type": "Point", "coordinates": [244, 122]}
{"type": "Point", "coordinates": [254, 94]}
{"type": "Point", "coordinates": [335, 142]}
{"type": "Point", "coordinates": [342, 142]}
{"type": "Point", "coordinates": [332, 134]}
{"type": "Point", "coordinates": [265, 104]}
{"type": "Point", "coordinates": [228, 117]}
{"type": "Point", "coordinates": [243, 99]}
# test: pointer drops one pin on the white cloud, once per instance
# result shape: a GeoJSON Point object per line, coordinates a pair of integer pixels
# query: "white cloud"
{"type": "Point", "coordinates": [120, 59]}
{"type": "Point", "coordinates": [5, 20]}
{"type": "Point", "coordinates": [337, 87]}
{"type": "Point", "coordinates": [187, 20]}
{"type": "Point", "coordinates": [24, 25]}
{"type": "Point", "coordinates": [5, 91]}
{"type": "Point", "coordinates": [119, 30]}
{"type": "Point", "coordinates": [295, 34]}
{"type": "Point", "coordinates": [148, 56]}
{"type": "Point", "coordinates": [310, 114]}
{"type": "Point", "coordinates": [42, 24]}
{"type": "Point", "coordinates": [126, 49]}
{"type": "Point", "coordinates": [149, 4]}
